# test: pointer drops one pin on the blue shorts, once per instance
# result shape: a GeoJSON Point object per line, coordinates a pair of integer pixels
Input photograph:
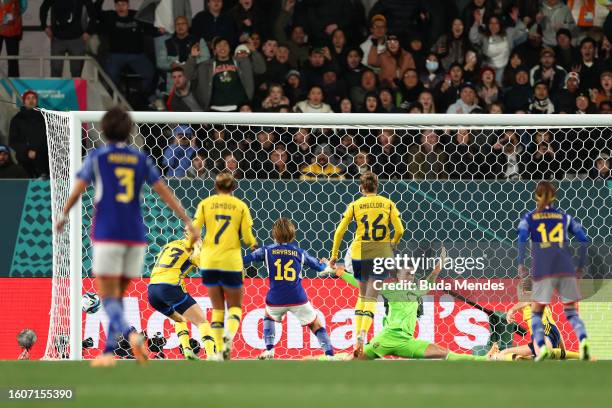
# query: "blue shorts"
{"type": "Point", "coordinates": [168, 299]}
{"type": "Point", "coordinates": [227, 279]}
{"type": "Point", "coordinates": [554, 336]}
{"type": "Point", "coordinates": [363, 270]}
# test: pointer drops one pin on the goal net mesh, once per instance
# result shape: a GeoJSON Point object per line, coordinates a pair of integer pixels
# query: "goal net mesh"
{"type": "Point", "coordinates": [465, 188]}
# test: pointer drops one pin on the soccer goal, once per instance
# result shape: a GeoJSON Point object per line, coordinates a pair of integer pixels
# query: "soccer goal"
{"type": "Point", "coordinates": [458, 180]}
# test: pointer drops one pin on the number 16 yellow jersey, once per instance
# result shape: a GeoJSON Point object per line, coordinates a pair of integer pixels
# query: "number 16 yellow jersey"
{"type": "Point", "coordinates": [225, 219]}
{"type": "Point", "coordinates": [374, 216]}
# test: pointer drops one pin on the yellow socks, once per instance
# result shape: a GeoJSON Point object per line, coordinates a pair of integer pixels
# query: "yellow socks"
{"type": "Point", "coordinates": [182, 331]}
{"type": "Point", "coordinates": [369, 308]}
{"type": "Point", "coordinates": [558, 354]}
{"type": "Point", "coordinates": [233, 321]}
{"type": "Point", "coordinates": [207, 339]}
{"type": "Point", "coordinates": [358, 316]}
{"type": "Point", "coordinates": [217, 325]}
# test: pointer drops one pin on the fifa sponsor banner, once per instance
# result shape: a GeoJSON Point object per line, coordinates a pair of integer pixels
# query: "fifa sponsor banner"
{"type": "Point", "coordinates": [447, 321]}
{"type": "Point", "coordinates": [56, 93]}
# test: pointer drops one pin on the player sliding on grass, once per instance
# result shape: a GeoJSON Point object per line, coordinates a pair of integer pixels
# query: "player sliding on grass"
{"type": "Point", "coordinates": [167, 293]}
{"type": "Point", "coordinates": [552, 267]}
{"type": "Point", "coordinates": [397, 337]}
{"type": "Point", "coordinates": [118, 233]}
{"type": "Point", "coordinates": [285, 261]}
{"type": "Point", "coordinates": [374, 216]}
{"type": "Point", "coordinates": [226, 219]}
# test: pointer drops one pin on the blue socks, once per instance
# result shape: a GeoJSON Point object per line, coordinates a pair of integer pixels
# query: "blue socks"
{"type": "Point", "coordinates": [324, 341]}
{"type": "Point", "coordinates": [117, 324]}
{"type": "Point", "coordinates": [576, 322]}
{"type": "Point", "coordinates": [269, 332]}
{"type": "Point", "coordinates": [537, 329]}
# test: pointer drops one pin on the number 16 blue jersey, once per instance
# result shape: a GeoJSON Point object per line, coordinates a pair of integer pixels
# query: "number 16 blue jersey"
{"type": "Point", "coordinates": [118, 173]}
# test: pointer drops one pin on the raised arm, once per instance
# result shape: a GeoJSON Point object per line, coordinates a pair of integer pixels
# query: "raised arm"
{"type": "Point", "coordinates": [246, 229]}
{"type": "Point", "coordinates": [523, 237]}
{"type": "Point", "coordinates": [256, 256]}
{"type": "Point", "coordinates": [342, 227]}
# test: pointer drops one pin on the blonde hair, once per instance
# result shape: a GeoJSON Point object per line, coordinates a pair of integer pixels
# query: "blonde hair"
{"type": "Point", "coordinates": [369, 182]}
{"type": "Point", "coordinates": [225, 182]}
{"type": "Point", "coordinates": [283, 230]}
{"type": "Point", "coordinates": [545, 194]}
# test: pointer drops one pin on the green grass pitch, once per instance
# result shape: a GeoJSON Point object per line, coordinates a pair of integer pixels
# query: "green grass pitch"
{"type": "Point", "coordinates": [292, 384]}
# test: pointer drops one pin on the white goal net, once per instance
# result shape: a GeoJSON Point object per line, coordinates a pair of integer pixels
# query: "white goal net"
{"type": "Point", "coordinates": [458, 180]}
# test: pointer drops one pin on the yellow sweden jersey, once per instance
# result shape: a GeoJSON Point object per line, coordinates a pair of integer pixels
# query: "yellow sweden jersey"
{"type": "Point", "coordinates": [547, 319]}
{"type": "Point", "coordinates": [174, 262]}
{"type": "Point", "coordinates": [226, 219]}
{"type": "Point", "coordinates": [374, 216]}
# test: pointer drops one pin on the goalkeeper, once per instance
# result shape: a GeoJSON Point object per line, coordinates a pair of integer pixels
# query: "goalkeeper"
{"type": "Point", "coordinates": [397, 337]}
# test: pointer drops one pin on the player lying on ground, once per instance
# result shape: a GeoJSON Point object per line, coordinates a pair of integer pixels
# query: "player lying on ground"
{"type": "Point", "coordinates": [118, 233]}
{"type": "Point", "coordinates": [552, 265]}
{"type": "Point", "coordinates": [167, 293]}
{"type": "Point", "coordinates": [374, 216]}
{"type": "Point", "coordinates": [397, 336]}
{"type": "Point", "coordinates": [225, 219]}
{"type": "Point", "coordinates": [284, 261]}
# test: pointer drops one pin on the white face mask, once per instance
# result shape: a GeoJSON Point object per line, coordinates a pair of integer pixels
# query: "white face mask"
{"type": "Point", "coordinates": [432, 66]}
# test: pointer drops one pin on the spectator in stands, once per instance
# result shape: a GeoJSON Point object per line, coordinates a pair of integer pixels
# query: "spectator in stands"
{"type": "Point", "coordinates": [376, 40]}
{"type": "Point", "coordinates": [426, 100]}
{"type": "Point", "coordinates": [313, 102]}
{"type": "Point", "coordinates": [294, 89]}
{"type": "Point", "coordinates": [540, 101]}
{"type": "Point", "coordinates": [360, 164]}
{"type": "Point", "coordinates": [11, 28]}
{"type": "Point", "coordinates": [312, 70]}
{"type": "Point", "coordinates": [496, 107]}
{"type": "Point", "coordinates": [553, 15]}
{"type": "Point", "coordinates": [503, 157]}
{"type": "Point", "coordinates": [427, 159]}
{"type": "Point", "coordinates": [248, 18]}
{"type": "Point", "coordinates": [274, 69]}
{"type": "Point", "coordinates": [588, 67]}
{"type": "Point", "coordinates": [583, 104]}
{"type": "Point", "coordinates": [447, 91]}
{"type": "Point", "coordinates": [388, 156]}
{"type": "Point", "coordinates": [496, 41]}
{"type": "Point", "coordinates": [471, 67]}
{"type": "Point", "coordinates": [338, 49]}
{"type": "Point", "coordinates": [371, 104]}
{"type": "Point", "coordinates": [392, 63]}
{"type": "Point", "coordinates": [516, 61]}
{"type": "Point", "coordinates": [463, 158]}
{"type": "Point", "coordinates": [279, 165]}
{"type": "Point", "coordinates": [218, 142]}
{"type": "Point", "coordinates": [28, 137]}
{"type": "Point", "coordinates": [565, 99]}
{"type": "Point", "coordinates": [467, 102]}
{"type": "Point", "coordinates": [296, 42]}
{"type": "Point", "coordinates": [600, 171]}
{"type": "Point", "coordinates": [488, 90]}
{"type": "Point", "coordinates": [547, 71]}
{"type": "Point", "coordinates": [367, 84]}
{"type": "Point", "coordinates": [530, 50]}
{"type": "Point", "coordinates": [542, 164]}
{"type": "Point", "coordinates": [403, 16]}
{"type": "Point", "coordinates": [346, 149]}
{"type": "Point", "coordinates": [604, 92]}
{"type": "Point", "coordinates": [181, 97]}
{"type": "Point", "coordinates": [410, 88]}
{"type": "Point", "coordinates": [346, 106]}
{"type": "Point", "coordinates": [451, 47]}
{"type": "Point", "coordinates": [387, 101]}
{"type": "Point", "coordinates": [66, 31]}
{"type": "Point", "coordinates": [276, 97]}
{"type": "Point", "coordinates": [126, 43]}
{"type": "Point", "coordinates": [321, 168]}
{"type": "Point", "coordinates": [354, 68]}
{"type": "Point", "coordinates": [224, 83]}
{"type": "Point", "coordinates": [468, 13]}
{"type": "Point", "coordinates": [177, 48]}
{"type": "Point", "coordinates": [334, 88]}
{"type": "Point", "coordinates": [566, 54]}
{"type": "Point", "coordinates": [517, 97]}
{"type": "Point", "coordinates": [230, 163]}
{"type": "Point", "coordinates": [8, 168]}
{"type": "Point", "coordinates": [433, 74]}
{"type": "Point", "coordinates": [198, 169]}
{"type": "Point", "coordinates": [415, 107]}
{"type": "Point", "coordinates": [177, 156]}
{"type": "Point", "coordinates": [213, 22]}
{"type": "Point", "coordinates": [301, 148]}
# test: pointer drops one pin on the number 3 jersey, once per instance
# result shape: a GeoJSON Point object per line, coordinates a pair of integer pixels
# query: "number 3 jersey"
{"type": "Point", "coordinates": [174, 262]}
{"type": "Point", "coordinates": [118, 173]}
{"type": "Point", "coordinates": [225, 219]}
{"type": "Point", "coordinates": [548, 230]}
{"type": "Point", "coordinates": [285, 263]}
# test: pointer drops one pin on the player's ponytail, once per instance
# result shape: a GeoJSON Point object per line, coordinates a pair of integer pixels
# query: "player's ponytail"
{"type": "Point", "coordinates": [225, 182]}
{"type": "Point", "coordinates": [368, 182]}
{"type": "Point", "coordinates": [283, 231]}
{"type": "Point", "coordinates": [545, 194]}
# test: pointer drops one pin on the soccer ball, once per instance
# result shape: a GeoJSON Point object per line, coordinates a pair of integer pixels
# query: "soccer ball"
{"type": "Point", "coordinates": [90, 302]}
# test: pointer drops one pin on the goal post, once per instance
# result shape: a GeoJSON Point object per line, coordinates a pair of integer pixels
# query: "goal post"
{"type": "Point", "coordinates": [442, 199]}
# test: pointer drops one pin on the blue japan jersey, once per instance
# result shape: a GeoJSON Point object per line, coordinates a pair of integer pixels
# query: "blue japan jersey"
{"type": "Point", "coordinates": [548, 230]}
{"type": "Point", "coordinates": [285, 263]}
{"type": "Point", "coordinates": [118, 173]}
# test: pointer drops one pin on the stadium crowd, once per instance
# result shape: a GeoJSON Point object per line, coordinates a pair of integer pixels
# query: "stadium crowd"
{"type": "Point", "coordinates": [396, 56]}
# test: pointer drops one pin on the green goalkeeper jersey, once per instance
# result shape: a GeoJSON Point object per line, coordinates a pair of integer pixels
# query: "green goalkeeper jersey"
{"type": "Point", "coordinates": [402, 307]}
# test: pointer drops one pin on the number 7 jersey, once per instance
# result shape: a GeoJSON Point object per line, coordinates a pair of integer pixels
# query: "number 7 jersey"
{"type": "Point", "coordinates": [118, 173]}
{"type": "Point", "coordinates": [374, 216]}
{"type": "Point", "coordinates": [225, 219]}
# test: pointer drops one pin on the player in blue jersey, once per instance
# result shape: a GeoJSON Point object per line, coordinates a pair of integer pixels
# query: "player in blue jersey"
{"type": "Point", "coordinates": [118, 230]}
{"type": "Point", "coordinates": [285, 262]}
{"type": "Point", "coordinates": [552, 264]}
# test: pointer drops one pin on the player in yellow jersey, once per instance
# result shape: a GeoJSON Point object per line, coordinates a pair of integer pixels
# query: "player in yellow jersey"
{"type": "Point", "coordinates": [167, 293]}
{"type": "Point", "coordinates": [374, 216]}
{"type": "Point", "coordinates": [225, 220]}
